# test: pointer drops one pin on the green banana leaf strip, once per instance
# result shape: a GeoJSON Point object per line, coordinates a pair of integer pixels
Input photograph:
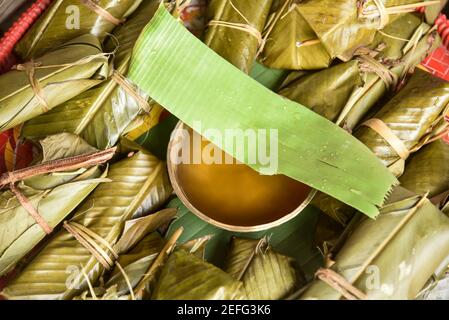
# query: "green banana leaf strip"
{"type": "Point", "coordinates": [186, 277]}
{"type": "Point", "coordinates": [69, 77]}
{"type": "Point", "coordinates": [101, 114]}
{"type": "Point", "coordinates": [227, 101]}
{"type": "Point", "coordinates": [239, 47]}
{"type": "Point", "coordinates": [294, 239]}
{"type": "Point", "coordinates": [292, 44]}
{"type": "Point", "coordinates": [55, 273]}
{"type": "Point", "coordinates": [266, 275]}
{"type": "Point", "coordinates": [393, 256]}
{"type": "Point", "coordinates": [55, 197]}
{"type": "Point", "coordinates": [428, 170]}
{"type": "Point", "coordinates": [68, 19]}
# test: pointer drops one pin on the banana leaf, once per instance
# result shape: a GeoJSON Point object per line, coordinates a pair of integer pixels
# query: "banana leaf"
{"type": "Point", "coordinates": [137, 248]}
{"type": "Point", "coordinates": [413, 115]}
{"type": "Point", "coordinates": [54, 196]}
{"type": "Point", "coordinates": [427, 170]}
{"type": "Point", "coordinates": [394, 256]}
{"type": "Point", "coordinates": [346, 92]}
{"type": "Point", "coordinates": [341, 28]}
{"type": "Point", "coordinates": [239, 47]}
{"type": "Point", "coordinates": [292, 44]}
{"type": "Point", "coordinates": [266, 274]}
{"type": "Point", "coordinates": [229, 103]}
{"type": "Point", "coordinates": [186, 277]}
{"type": "Point", "coordinates": [62, 74]}
{"type": "Point", "coordinates": [101, 114]}
{"type": "Point", "coordinates": [293, 239]}
{"type": "Point", "coordinates": [68, 19]}
{"type": "Point", "coordinates": [139, 184]}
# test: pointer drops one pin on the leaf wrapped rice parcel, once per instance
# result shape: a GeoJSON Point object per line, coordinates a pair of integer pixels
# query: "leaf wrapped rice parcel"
{"type": "Point", "coordinates": [68, 19]}
{"type": "Point", "coordinates": [427, 171]}
{"type": "Point", "coordinates": [391, 257]}
{"type": "Point", "coordinates": [345, 25]}
{"type": "Point", "coordinates": [186, 277]}
{"type": "Point", "coordinates": [402, 126]}
{"type": "Point", "coordinates": [102, 114]}
{"type": "Point", "coordinates": [42, 84]}
{"type": "Point", "coordinates": [266, 275]}
{"type": "Point", "coordinates": [235, 29]}
{"type": "Point", "coordinates": [344, 93]}
{"type": "Point", "coordinates": [408, 121]}
{"type": "Point", "coordinates": [53, 196]}
{"type": "Point", "coordinates": [138, 184]}
{"type": "Point", "coordinates": [290, 43]}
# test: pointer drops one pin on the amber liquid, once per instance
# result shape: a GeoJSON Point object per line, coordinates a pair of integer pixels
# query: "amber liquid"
{"type": "Point", "coordinates": [237, 195]}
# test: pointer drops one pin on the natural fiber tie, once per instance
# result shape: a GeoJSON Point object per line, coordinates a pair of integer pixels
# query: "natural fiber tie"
{"type": "Point", "coordinates": [26, 204]}
{"type": "Point", "coordinates": [101, 12]}
{"type": "Point", "coordinates": [67, 164]}
{"type": "Point", "coordinates": [93, 243]}
{"type": "Point", "coordinates": [30, 70]}
{"type": "Point", "coordinates": [370, 64]}
{"type": "Point", "coordinates": [340, 284]}
{"type": "Point", "coordinates": [246, 27]}
{"type": "Point", "coordinates": [384, 13]}
{"type": "Point", "coordinates": [389, 136]}
{"type": "Point", "coordinates": [131, 90]}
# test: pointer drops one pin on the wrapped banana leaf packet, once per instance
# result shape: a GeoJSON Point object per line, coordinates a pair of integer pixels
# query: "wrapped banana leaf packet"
{"type": "Point", "coordinates": [225, 150]}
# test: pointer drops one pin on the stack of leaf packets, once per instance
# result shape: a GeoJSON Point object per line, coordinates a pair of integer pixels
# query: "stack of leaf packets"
{"type": "Point", "coordinates": [393, 256]}
{"type": "Point", "coordinates": [427, 171]}
{"type": "Point", "coordinates": [412, 118]}
{"type": "Point", "coordinates": [102, 114]}
{"type": "Point", "coordinates": [139, 184]}
{"type": "Point", "coordinates": [50, 80]}
{"type": "Point", "coordinates": [345, 25]}
{"type": "Point", "coordinates": [235, 29]}
{"type": "Point", "coordinates": [53, 195]}
{"type": "Point", "coordinates": [67, 19]}
{"type": "Point", "coordinates": [266, 274]}
{"type": "Point", "coordinates": [289, 42]}
{"type": "Point", "coordinates": [346, 92]}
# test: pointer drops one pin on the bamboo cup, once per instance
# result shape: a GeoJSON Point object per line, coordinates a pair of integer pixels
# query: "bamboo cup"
{"type": "Point", "coordinates": [177, 138]}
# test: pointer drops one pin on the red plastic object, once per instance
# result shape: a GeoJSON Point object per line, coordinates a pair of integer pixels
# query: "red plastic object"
{"type": "Point", "coordinates": [18, 29]}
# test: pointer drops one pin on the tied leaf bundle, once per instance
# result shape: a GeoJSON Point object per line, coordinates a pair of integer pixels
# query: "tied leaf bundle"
{"type": "Point", "coordinates": [414, 116]}
{"type": "Point", "coordinates": [391, 257]}
{"type": "Point", "coordinates": [235, 29]}
{"type": "Point", "coordinates": [290, 43]}
{"type": "Point", "coordinates": [83, 249]}
{"type": "Point", "coordinates": [266, 274]}
{"type": "Point", "coordinates": [40, 85]}
{"type": "Point", "coordinates": [54, 195]}
{"type": "Point", "coordinates": [102, 114]}
{"type": "Point", "coordinates": [427, 171]}
{"type": "Point", "coordinates": [412, 119]}
{"type": "Point", "coordinates": [187, 277]}
{"type": "Point", "coordinates": [68, 19]}
{"type": "Point", "coordinates": [345, 25]}
{"type": "Point", "coordinates": [346, 92]}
